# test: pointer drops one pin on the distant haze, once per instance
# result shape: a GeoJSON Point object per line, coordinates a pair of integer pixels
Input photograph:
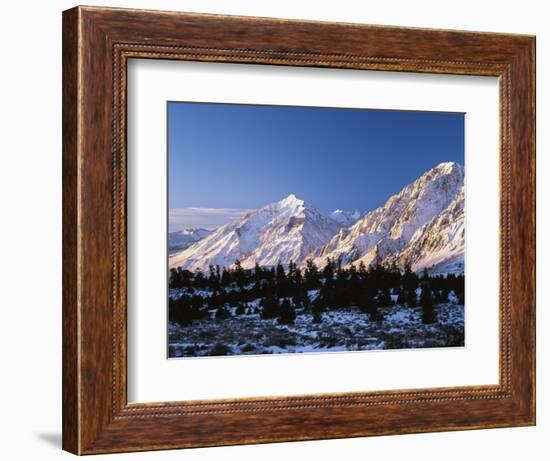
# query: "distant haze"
{"type": "Point", "coordinates": [205, 218]}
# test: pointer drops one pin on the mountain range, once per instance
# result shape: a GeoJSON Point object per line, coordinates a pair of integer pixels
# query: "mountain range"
{"type": "Point", "coordinates": [422, 225]}
{"type": "Point", "coordinates": [182, 239]}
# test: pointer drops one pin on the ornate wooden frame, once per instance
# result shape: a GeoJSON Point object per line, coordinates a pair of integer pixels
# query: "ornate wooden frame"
{"type": "Point", "coordinates": [97, 43]}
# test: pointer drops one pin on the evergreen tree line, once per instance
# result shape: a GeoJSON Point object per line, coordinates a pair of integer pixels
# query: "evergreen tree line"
{"type": "Point", "coordinates": [284, 291]}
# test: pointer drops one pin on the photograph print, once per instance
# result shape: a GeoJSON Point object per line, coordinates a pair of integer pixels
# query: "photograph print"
{"type": "Point", "coordinates": [313, 229]}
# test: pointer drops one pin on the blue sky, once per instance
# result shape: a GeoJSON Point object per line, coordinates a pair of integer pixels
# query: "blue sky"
{"type": "Point", "coordinates": [245, 156]}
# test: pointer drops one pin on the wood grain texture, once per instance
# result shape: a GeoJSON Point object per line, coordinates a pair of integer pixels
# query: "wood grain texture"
{"type": "Point", "coordinates": [70, 384]}
{"type": "Point", "coordinates": [97, 43]}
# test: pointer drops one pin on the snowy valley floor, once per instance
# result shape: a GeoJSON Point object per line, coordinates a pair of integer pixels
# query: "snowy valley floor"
{"type": "Point", "coordinates": [340, 330]}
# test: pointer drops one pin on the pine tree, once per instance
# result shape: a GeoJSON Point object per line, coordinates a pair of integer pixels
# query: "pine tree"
{"type": "Point", "coordinates": [295, 278]}
{"type": "Point", "coordinates": [318, 304]}
{"type": "Point", "coordinates": [368, 306]}
{"type": "Point", "coordinates": [445, 295]}
{"type": "Point", "coordinates": [239, 274]}
{"type": "Point", "coordinates": [297, 300]}
{"type": "Point", "coordinates": [427, 304]}
{"type": "Point", "coordinates": [306, 302]}
{"type": "Point", "coordinates": [281, 275]}
{"type": "Point", "coordinates": [212, 282]}
{"type": "Point", "coordinates": [425, 275]}
{"type": "Point", "coordinates": [328, 271]}
{"type": "Point", "coordinates": [311, 275]}
{"type": "Point", "coordinates": [384, 298]}
{"type": "Point", "coordinates": [403, 297]}
{"type": "Point", "coordinates": [200, 280]}
{"type": "Point", "coordinates": [441, 297]}
{"type": "Point", "coordinates": [226, 278]}
{"type": "Point", "coordinates": [362, 270]}
{"type": "Point", "coordinates": [412, 298]}
{"type": "Point", "coordinates": [257, 273]}
{"type": "Point", "coordinates": [397, 291]}
{"type": "Point", "coordinates": [326, 295]}
{"type": "Point", "coordinates": [410, 279]}
{"type": "Point", "coordinates": [287, 314]}
{"type": "Point", "coordinates": [180, 311]}
{"type": "Point", "coordinates": [270, 308]}
{"type": "Point", "coordinates": [367, 303]}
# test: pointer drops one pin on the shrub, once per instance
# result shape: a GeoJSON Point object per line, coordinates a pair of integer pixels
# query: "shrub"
{"type": "Point", "coordinates": [317, 317]}
{"type": "Point", "coordinates": [219, 349]}
{"type": "Point", "coordinates": [222, 313]}
{"type": "Point", "coordinates": [247, 347]}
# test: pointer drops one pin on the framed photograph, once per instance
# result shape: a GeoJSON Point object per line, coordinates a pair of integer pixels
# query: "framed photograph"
{"type": "Point", "coordinates": [269, 272]}
{"type": "Point", "coordinates": [282, 230]}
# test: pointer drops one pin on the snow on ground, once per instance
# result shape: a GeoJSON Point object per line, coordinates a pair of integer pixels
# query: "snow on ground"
{"type": "Point", "coordinates": [339, 330]}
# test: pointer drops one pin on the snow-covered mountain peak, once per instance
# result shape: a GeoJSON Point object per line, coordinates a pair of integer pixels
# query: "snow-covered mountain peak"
{"type": "Point", "coordinates": [388, 229]}
{"type": "Point", "coordinates": [439, 244]}
{"type": "Point", "coordinates": [290, 204]}
{"type": "Point", "coordinates": [448, 167]}
{"type": "Point", "coordinates": [345, 218]}
{"type": "Point", "coordinates": [280, 232]}
{"type": "Point", "coordinates": [442, 170]}
{"type": "Point", "coordinates": [290, 201]}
